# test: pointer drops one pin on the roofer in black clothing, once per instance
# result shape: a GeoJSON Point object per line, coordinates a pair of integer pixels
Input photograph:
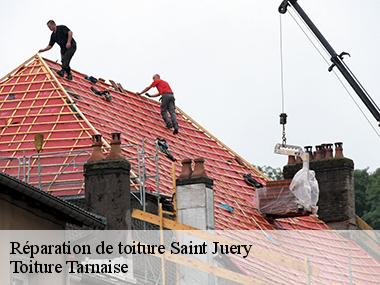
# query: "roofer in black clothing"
{"type": "Point", "coordinates": [64, 38]}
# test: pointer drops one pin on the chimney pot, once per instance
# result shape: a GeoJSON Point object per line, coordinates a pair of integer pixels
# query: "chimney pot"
{"type": "Point", "coordinates": [186, 170]}
{"type": "Point", "coordinates": [97, 153]}
{"type": "Point", "coordinates": [323, 151]}
{"type": "Point", "coordinates": [339, 150]}
{"type": "Point", "coordinates": [116, 138]}
{"type": "Point", "coordinates": [329, 151]}
{"type": "Point", "coordinates": [309, 150]}
{"type": "Point", "coordinates": [115, 152]}
{"type": "Point", "coordinates": [291, 159]}
{"type": "Point", "coordinates": [318, 152]}
{"type": "Point", "coordinates": [199, 168]}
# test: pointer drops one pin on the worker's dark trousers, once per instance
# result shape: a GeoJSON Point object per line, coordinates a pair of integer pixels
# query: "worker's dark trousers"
{"type": "Point", "coordinates": [66, 57]}
{"type": "Point", "coordinates": [168, 106]}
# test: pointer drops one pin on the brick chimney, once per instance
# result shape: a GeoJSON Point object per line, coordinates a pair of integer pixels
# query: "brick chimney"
{"type": "Point", "coordinates": [195, 196]}
{"type": "Point", "coordinates": [107, 185]}
{"type": "Point", "coordinates": [336, 185]}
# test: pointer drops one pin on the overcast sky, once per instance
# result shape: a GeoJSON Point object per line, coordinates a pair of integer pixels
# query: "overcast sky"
{"type": "Point", "coordinates": [221, 57]}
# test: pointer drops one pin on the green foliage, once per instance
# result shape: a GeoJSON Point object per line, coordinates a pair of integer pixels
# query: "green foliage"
{"type": "Point", "coordinates": [273, 173]}
{"type": "Point", "coordinates": [367, 196]}
{"type": "Point", "coordinates": [361, 182]}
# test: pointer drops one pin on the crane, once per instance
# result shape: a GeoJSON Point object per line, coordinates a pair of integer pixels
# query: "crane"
{"type": "Point", "coordinates": [336, 59]}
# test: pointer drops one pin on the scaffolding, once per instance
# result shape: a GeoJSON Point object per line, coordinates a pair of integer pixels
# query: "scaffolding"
{"type": "Point", "coordinates": [143, 174]}
{"type": "Point", "coordinates": [63, 170]}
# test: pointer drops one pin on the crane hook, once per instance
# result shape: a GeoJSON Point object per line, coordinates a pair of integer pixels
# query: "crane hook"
{"type": "Point", "coordinates": [283, 121]}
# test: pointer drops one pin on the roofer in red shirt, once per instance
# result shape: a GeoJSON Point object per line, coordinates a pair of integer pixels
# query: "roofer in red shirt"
{"type": "Point", "coordinates": [167, 101]}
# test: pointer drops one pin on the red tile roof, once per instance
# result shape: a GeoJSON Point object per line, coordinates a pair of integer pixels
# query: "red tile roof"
{"type": "Point", "coordinates": [68, 113]}
{"type": "Point", "coordinates": [33, 100]}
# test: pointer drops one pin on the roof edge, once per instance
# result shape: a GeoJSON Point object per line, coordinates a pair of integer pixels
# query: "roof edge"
{"type": "Point", "coordinates": [70, 98]}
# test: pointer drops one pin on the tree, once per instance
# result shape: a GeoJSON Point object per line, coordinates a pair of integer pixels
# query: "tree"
{"type": "Point", "coordinates": [272, 173]}
{"type": "Point", "coordinates": [373, 200]}
{"type": "Point", "coordinates": [367, 196]}
{"type": "Point", "coordinates": [361, 177]}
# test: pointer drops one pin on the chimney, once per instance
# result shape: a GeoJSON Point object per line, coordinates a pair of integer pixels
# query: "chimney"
{"type": "Point", "coordinates": [336, 205]}
{"type": "Point", "coordinates": [195, 196]}
{"type": "Point", "coordinates": [195, 207]}
{"type": "Point", "coordinates": [107, 187]}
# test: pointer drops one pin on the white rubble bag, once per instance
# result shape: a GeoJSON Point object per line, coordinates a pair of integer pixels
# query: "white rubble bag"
{"type": "Point", "coordinates": [305, 188]}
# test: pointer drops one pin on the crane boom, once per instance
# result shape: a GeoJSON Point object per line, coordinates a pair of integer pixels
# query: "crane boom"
{"type": "Point", "coordinates": [337, 60]}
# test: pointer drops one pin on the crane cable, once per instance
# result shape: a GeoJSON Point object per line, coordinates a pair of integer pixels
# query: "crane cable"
{"type": "Point", "coordinates": [283, 115]}
{"type": "Point", "coordinates": [328, 63]}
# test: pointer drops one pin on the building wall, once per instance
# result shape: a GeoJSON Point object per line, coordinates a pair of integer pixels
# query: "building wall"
{"type": "Point", "coordinates": [16, 216]}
